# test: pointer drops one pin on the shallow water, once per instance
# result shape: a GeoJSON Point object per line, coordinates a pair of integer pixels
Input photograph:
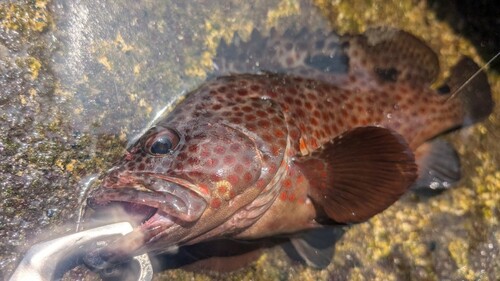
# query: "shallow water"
{"type": "Point", "coordinates": [80, 78]}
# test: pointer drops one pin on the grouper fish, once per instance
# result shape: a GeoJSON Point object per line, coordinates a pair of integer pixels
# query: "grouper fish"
{"type": "Point", "coordinates": [293, 132]}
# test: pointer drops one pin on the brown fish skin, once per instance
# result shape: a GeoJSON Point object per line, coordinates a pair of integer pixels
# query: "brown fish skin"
{"type": "Point", "coordinates": [243, 156]}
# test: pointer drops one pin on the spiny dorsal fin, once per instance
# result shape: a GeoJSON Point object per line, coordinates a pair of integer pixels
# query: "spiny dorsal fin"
{"type": "Point", "coordinates": [316, 55]}
{"type": "Point", "coordinates": [359, 174]}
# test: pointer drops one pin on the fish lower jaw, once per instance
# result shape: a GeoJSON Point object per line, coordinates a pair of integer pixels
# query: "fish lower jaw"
{"type": "Point", "coordinates": [113, 211]}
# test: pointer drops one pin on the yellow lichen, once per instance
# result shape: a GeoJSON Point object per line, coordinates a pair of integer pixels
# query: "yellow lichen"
{"type": "Point", "coordinates": [34, 66]}
{"type": "Point", "coordinates": [285, 8]}
{"type": "Point", "coordinates": [147, 106]}
{"type": "Point", "coordinates": [59, 163]}
{"type": "Point", "coordinates": [137, 69]}
{"type": "Point", "coordinates": [105, 62]}
{"type": "Point", "coordinates": [215, 30]}
{"type": "Point", "coordinates": [120, 43]}
{"type": "Point", "coordinates": [25, 17]}
{"type": "Point", "coordinates": [23, 100]}
{"type": "Point", "coordinates": [459, 252]}
{"type": "Point", "coordinates": [71, 165]}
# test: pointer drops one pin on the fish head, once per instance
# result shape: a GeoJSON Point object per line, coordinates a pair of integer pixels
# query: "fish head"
{"type": "Point", "coordinates": [179, 180]}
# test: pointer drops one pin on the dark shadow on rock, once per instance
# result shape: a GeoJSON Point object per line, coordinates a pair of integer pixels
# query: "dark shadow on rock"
{"type": "Point", "coordinates": [476, 20]}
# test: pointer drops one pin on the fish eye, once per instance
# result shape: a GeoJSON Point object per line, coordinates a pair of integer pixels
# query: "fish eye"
{"type": "Point", "coordinates": [162, 142]}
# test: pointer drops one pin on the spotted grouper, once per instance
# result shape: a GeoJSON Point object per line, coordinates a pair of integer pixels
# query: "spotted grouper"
{"type": "Point", "coordinates": [294, 132]}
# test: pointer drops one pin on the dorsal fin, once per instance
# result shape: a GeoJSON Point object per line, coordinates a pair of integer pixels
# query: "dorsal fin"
{"type": "Point", "coordinates": [393, 55]}
{"type": "Point", "coordinates": [381, 54]}
{"type": "Point", "coordinates": [317, 55]}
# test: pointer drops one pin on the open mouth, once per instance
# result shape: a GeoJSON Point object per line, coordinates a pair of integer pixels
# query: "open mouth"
{"type": "Point", "coordinates": [139, 206]}
{"type": "Point", "coordinates": [137, 214]}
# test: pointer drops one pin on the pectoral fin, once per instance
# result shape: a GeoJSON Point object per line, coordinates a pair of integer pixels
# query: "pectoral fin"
{"type": "Point", "coordinates": [359, 174]}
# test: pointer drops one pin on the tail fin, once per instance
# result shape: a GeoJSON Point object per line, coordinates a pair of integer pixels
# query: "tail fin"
{"type": "Point", "coordinates": [469, 84]}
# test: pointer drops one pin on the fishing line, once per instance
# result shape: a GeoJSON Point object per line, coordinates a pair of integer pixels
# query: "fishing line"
{"type": "Point", "coordinates": [473, 76]}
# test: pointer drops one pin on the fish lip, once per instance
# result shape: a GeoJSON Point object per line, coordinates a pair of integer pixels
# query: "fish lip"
{"type": "Point", "coordinates": [181, 182]}
{"type": "Point", "coordinates": [173, 200]}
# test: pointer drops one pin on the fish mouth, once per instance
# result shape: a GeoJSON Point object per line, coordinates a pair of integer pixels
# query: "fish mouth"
{"type": "Point", "coordinates": [141, 205]}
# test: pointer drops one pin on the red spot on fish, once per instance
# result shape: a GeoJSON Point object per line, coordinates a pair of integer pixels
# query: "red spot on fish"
{"type": "Point", "coordinates": [275, 150]}
{"type": "Point", "coordinates": [277, 121]}
{"type": "Point", "coordinates": [255, 88]}
{"type": "Point", "coordinates": [219, 149]}
{"type": "Point", "coordinates": [300, 112]}
{"type": "Point", "coordinates": [236, 120]}
{"type": "Point", "coordinates": [235, 147]}
{"type": "Point", "coordinates": [308, 105]}
{"type": "Point", "coordinates": [247, 160]}
{"type": "Point", "coordinates": [222, 189]}
{"type": "Point", "coordinates": [272, 94]}
{"type": "Point", "coordinates": [272, 168]}
{"type": "Point", "coordinates": [211, 162]}
{"type": "Point", "coordinates": [344, 113]}
{"type": "Point", "coordinates": [246, 108]}
{"type": "Point", "coordinates": [267, 138]}
{"type": "Point", "coordinates": [261, 113]}
{"type": "Point", "coordinates": [283, 196]}
{"type": "Point", "coordinates": [229, 159]}
{"type": "Point", "coordinates": [193, 161]}
{"type": "Point", "coordinates": [204, 188]}
{"type": "Point", "coordinates": [222, 89]}
{"type": "Point", "coordinates": [279, 133]}
{"type": "Point", "coordinates": [311, 96]}
{"type": "Point", "coordinates": [313, 143]}
{"type": "Point", "coordinates": [349, 106]}
{"type": "Point", "coordinates": [264, 124]}
{"type": "Point", "coordinates": [242, 92]}
{"type": "Point", "coordinates": [239, 169]}
{"type": "Point", "coordinates": [300, 179]}
{"type": "Point", "coordinates": [261, 184]}
{"type": "Point", "coordinates": [215, 178]}
{"type": "Point", "coordinates": [287, 183]}
{"type": "Point", "coordinates": [247, 177]}
{"type": "Point", "coordinates": [233, 179]}
{"type": "Point", "coordinates": [215, 203]}
{"type": "Point", "coordinates": [250, 117]}
{"type": "Point", "coordinates": [291, 197]}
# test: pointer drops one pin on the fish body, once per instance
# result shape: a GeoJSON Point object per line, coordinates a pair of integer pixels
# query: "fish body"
{"type": "Point", "coordinates": [329, 137]}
